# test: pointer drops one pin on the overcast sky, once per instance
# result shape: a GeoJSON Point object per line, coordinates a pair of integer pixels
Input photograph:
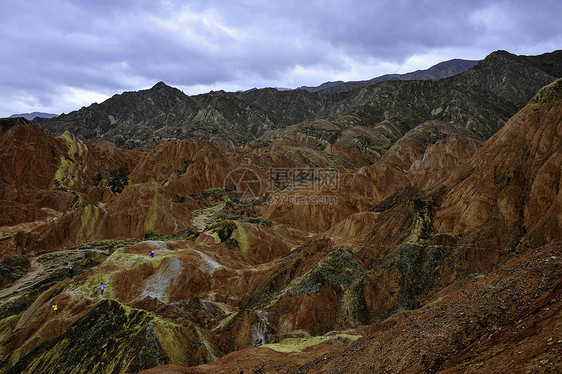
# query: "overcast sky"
{"type": "Point", "coordinates": [57, 56]}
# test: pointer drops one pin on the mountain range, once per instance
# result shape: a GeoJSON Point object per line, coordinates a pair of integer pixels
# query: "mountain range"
{"type": "Point", "coordinates": [482, 98]}
{"type": "Point", "coordinates": [403, 226]}
{"type": "Point", "coordinates": [443, 69]}
{"type": "Point", "coordinates": [33, 115]}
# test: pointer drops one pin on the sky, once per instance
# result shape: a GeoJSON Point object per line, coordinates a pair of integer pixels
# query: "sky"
{"type": "Point", "coordinates": [57, 56]}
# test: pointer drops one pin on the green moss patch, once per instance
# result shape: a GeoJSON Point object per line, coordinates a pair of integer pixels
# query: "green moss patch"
{"type": "Point", "coordinates": [211, 192]}
{"type": "Point", "coordinates": [7, 325]}
{"type": "Point", "coordinates": [184, 167]}
{"type": "Point", "coordinates": [338, 268]}
{"type": "Point", "coordinates": [340, 271]}
{"type": "Point", "coordinates": [13, 267]}
{"type": "Point", "coordinates": [120, 178]}
{"type": "Point", "coordinates": [231, 232]}
{"type": "Point", "coordinates": [222, 230]}
{"type": "Point", "coordinates": [418, 258]}
{"type": "Point", "coordinates": [256, 220]}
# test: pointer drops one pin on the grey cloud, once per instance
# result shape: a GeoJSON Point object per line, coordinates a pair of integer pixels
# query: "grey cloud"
{"type": "Point", "coordinates": [109, 47]}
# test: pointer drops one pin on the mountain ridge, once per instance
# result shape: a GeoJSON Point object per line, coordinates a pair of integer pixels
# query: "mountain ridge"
{"type": "Point", "coordinates": [138, 120]}
{"type": "Point", "coordinates": [443, 69]}
{"type": "Point", "coordinates": [31, 116]}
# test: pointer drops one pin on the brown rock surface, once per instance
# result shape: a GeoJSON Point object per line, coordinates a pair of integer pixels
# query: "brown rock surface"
{"type": "Point", "coordinates": [429, 252]}
{"type": "Point", "coordinates": [496, 324]}
{"type": "Point", "coordinates": [477, 329]}
{"type": "Point", "coordinates": [504, 178]}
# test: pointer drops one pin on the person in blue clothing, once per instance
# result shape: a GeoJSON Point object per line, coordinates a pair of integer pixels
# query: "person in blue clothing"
{"type": "Point", "coordinates": [151, 253]}
{"type": "Point", "coordinates": [102, 287]}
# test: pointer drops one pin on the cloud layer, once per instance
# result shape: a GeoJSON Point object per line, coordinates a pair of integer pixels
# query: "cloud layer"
{"type": "Point", "coordinates": [59, 56]}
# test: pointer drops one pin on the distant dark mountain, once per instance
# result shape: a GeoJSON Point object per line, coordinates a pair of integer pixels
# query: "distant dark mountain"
{"type": "Point", "coordinates": [322, 87]}
{"type": "Point", "coordinates": [479, 100]}
{"type": "Point", "coordinates": [441, 70]}
{"type": "Point", "coordinates": [147, 117]}
{"type": "Point", "coordinates": [31, 116]}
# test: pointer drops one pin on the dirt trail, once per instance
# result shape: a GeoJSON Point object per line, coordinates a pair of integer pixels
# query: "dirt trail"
{"type": "Point", "coordinates": [25, 282]}
{"type": "Point", "coordinates": [44, 267]}
{"type": "Point", "coordinates": [202, 217]}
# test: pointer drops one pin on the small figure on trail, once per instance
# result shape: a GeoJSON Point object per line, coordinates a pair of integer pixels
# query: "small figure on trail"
{"type": "Point", "coordinates": [102, 287]}
{"type": "Point", "coordinates": [71, 272]}
{"type": "Point", "coordinates": [55, 308]}
{"type": "Point", "coordinates": [151, 253]}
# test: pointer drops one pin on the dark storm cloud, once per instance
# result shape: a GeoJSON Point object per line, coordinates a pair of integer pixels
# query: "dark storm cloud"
{"type": "Point", "coordinates": [58, 56]}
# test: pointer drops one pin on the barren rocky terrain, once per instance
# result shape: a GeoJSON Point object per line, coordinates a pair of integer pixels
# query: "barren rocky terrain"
{"type": "Point", "coordinates": [411, 226]}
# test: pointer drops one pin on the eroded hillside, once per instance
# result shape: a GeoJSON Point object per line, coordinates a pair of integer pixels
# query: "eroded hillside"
{"type": "Point", "coordinates": [296, 253]}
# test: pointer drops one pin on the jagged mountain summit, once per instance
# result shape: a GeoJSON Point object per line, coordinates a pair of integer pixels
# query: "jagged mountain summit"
{"type": "Point", "coordinates": [481, 99]}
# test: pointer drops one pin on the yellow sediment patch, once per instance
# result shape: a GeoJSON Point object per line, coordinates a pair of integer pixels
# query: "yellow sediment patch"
{"type": "Point", "coordinates": [44, 298]}
{"type": "Point", "coordinates": [205, 217]}
{"type": "Point", "coordinates": [69, 171]}
{"type": "Point", "coordinates": [241, 238]}
{"type": "Point", "coordinates": [89, 224]}
{"type": "Point", "coordinates": [91, 286]}
{"type": "Point", "coordinates": [26, 348]}
{"type": "Point", "coordinates": [152, 214]}
{"type": "Point", "coordinates": [205, 341]}
{"type": "Point", "coordinates": [129, 260]}
{"type": "Point", "coordinates": [7, 325]}
{"type": "Point", "coordinates": [16, 322]}
{"type": "Point", "coordinates": [171, 339]}
{"type": "Point", "coordinates": [299, 344]}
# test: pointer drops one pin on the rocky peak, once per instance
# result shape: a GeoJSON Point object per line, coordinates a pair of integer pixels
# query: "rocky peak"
{"type": "Point", "coordinates": [511, 77]}
{"type": "Point", "coordinates": [8, 123]}
{"type": "Point", "coordinates": [162, 88]}
{"type": "Point", "coordinates": [549, 94]}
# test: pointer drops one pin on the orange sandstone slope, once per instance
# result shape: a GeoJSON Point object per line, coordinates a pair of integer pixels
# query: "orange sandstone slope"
{"type": "Point", "coordinates": [508, 321]}
{"type": "Point", "coordinates": [502, 201]}
{"type": "Point", "coordinates": [62, 191]}
{"type": "Point", "coordinates": [513, 181]}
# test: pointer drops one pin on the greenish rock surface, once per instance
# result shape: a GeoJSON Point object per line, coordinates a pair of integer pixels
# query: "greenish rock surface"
{"type": "Point", "coordinates": [340, 271]}
{"type": "Point", "coordinates": [111, 338]}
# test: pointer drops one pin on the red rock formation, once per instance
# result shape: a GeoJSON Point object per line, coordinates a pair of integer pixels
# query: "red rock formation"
{"type": "Point", "coordinates": [477, 329]}
{"type": "Point", "coordinates": [439, 159]}
{"type": "Point", "coordinates": [509, 175]}
{"type": "Point", "coordinates": [465, 332]}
